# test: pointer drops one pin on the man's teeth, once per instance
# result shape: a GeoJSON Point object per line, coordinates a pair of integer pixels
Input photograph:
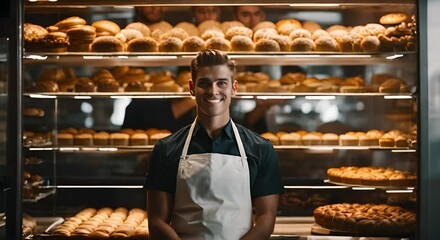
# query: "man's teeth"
{"type": "Point", "coordinates": [213, 100]}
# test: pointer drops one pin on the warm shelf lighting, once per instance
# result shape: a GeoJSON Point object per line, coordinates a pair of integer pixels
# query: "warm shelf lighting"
{"type": "Point", "coordinates": [394, 56]}
{"type": "Point", "coordinates": [363, 188]}
{"type": "Point", "coordinates": [82, 97]}
{"type": "Point", "coordinates": [108, 149]}
{"type": "Point", "coordinates": [40, 96]}
{"type": "Point", "coordinates": [397, 97]}
{"type": "Point", "coordinates": [101, 186]}
{"type": "Point", "coordinates": [315, 5]}
{"type": "Point", "coordinates": [276, 97]}
{"type": "Point", "coordinates": [399, 191]}
{"type": "Point", "coordinates": [320, 97]}
{"type": "Point", "coordinates": [316, 187]}
{"type": "Point", "coordinates": [403, 150]}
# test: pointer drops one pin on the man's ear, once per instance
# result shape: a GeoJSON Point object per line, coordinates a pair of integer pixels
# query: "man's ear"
{"type": "Point", "coordinates": [191, 87]}
{"type": "Point", "coordinates": [234, 87]}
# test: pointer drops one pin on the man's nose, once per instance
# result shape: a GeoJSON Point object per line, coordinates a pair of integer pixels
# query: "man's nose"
{"type": "Point", "coordinates": [213, 89]}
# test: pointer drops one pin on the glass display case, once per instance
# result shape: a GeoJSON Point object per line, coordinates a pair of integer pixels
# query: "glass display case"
{"type": "Point", "coordinates": [348, 107]}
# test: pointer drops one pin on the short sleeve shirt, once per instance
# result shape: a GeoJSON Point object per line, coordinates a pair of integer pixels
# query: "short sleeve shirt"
{"type": "Point", "coordinates": [265, 178]}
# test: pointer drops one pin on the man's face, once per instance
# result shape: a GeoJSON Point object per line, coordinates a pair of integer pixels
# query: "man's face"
{"type": "Point", "coordinates": [250, 15]}
{"type": "Point", "coordinates": [213, 90]}
{"type": "Point", "coordinates": [152, 14]}
{"type": "Point", "coordinates": [206, 13]}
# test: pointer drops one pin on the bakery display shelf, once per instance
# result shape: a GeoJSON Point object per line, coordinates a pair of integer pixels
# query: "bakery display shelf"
{"type": "Point", "coordinates": [243, 58]}
{"type": "Point", "coordinates": [244, 95]}
{"type": "Point", "coordinates": [311, 4]}
{"type": "Point", "coordinates": [38, 145]}
{"type": "Point", "coordinates": [103, 149]}
{"type": "Point", "coordinates": [331, 148]}
{"type": "Point", "coordinates": [409, 188]}
{"type": "Point", "coordinates": [45, 192]}
{"type": "Point", "coordinates": [33, 184]}
{"type": "Point", "coordinates": [326, 234]}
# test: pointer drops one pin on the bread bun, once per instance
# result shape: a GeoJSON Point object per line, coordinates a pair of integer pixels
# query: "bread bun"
{"type": "Point", "coordinates": [108, 85]}
{"type": "Point", "coordinates": [56, 42]}
{"type": "Point", "coordinates": [238, 31]}
{"type": "Point", "coordinates": [144, 29]}
{"type": "Point", "coordinates": [348, 43]}
{"type": "Point", "coordinates": [336, 27]}
{"type": "Point", "coordinates": [193, 44]}
{"type": "Point", "coordinates": [271, 137]}
{"type": "Point", "coordinates": [219, 44]}
{"type": "Point", "coordinates": [330, 139]}
{"type": "Point", "coordinates": [393, 18]}
{"type": "Point", "coordinates": [161, 77]}
{"type": "Point", "coordinates": [290, 139]}
{"type": "Point", "coordinates": [374, 29]}
{"type": "Point", "coordinates": [46, 86]}
{"type": "Point", "coordinates": [81, 34]}
{"type": "Point", "coordinates": [171, 44]}
{"type": "Point", "coordinates": [84, 85]}
{"type": "Point", "coordinates": [106, 27]}
{"type": "Point", "coordinates": [300, 33]}
{"type": "Point", "coordinates": [162, 25]}
{"type": "Point", "coordinates": [135, 86]}
{"type": "Point", "coordinates": [189, 28]}
{"type": "Point", "coordinates": [311, 26]}
{"type": "Point", "coordinates": [168, 86]}
{"type": "Point", "coordinates": [146, 44]}
{"type": "Point", "coordinates": [183, 78]}
{"type": "Point", "coordinates": [242, 44]}
{"type": "Point", "coordinates": [125, 35]}
{"type": "Point", "coordinates": [175, 32]}
{"type": "Point", "coordinates": [267, 45]}
{"type": "Point", "coordinates": [286, 26]}
{"type": "Point", "coordinates": [208, 24]}
{"type": "Point", "coordinates": [326, 44]}
{"type": "Point", "coordinates": [370, 44]}
{"type": "Point", "coordinates": [302, 45]}
{"type": "Point", "coordinates": [283, 42]}
{"type": "Point", "coordinates": [320, 33]}
{"type": "Point", "coordinates": [214, 33]}
{"type": "Point", "coordinates": [264, 33]}
{"type": "Point", "coordinates": [33, 36]}
{"type": "Point", "coordinates": [252, 77]}
{"type": "Point", "coordinates": [224, 26]}
{"type": "Point", "coordinates": [311, 139]}
{"type": "Point", "coordinates": [119, 139]}
{"type": "Point", "coordinates": [107, 44]}
{"type": "Point", "coordinates": [264, 25]}
{"type": "Point", "coordinates": [139, 139]}
{"type": "Point", "coordinates": [101, 138]}
{"type": "Point", "coordinates": [67, 23]}
{"type": "Point", "coordinates": [292, 78]}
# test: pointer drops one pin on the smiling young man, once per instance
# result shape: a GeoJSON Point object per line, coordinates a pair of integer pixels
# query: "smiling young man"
{"type": "Point", "coordinates": [204, 179]}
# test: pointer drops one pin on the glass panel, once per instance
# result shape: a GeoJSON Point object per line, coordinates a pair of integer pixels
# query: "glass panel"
{"type": "Point", "coordinates": [3, 104]}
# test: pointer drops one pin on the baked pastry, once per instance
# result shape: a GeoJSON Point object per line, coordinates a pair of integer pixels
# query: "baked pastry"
{"type": "Point", "coordinates": [46, 86]}
{"type": "Point", "coordinates": [264, 33]}
{"type": "Point", "coordinates": [366, 219]}
{"type": "Point", "coordinates": [271, 137]}
{"type": "Point", "coordinates": [107, 44]}
{"type": "Point", "coordinates": [175, 32]}
{"type": "Point", "coordinates": [33, 112]}
{"type": "Point", "coordinates": [215, 33]}
{"type": "Point", "coordinates": [207, 25]}
{"type": "Point", "coordinates": [348, 43]}
{"type": "Point", "coordinates": [348, 140]}
{"type": "Point", "coordinates": [302, 45]}
{"type": "Point", "coordinates": [283, 42]}
{"type": "Point", "coordinates": [226, 25]}
{"type": "Point", "coordinates": [311, 26]}
{"type": "Point", "coordinates": [300, 33]}
{"type": "Point", "coordinates": [193, 44]}
{"type": "Point", "coordinates": [330, 139]}
{"type": "Point", "coordinates": [83, 139]}
{"type": "Point", "coordinates": [56, 42]}
{"type": "Point", "coordinates": [155, 137]}
{"type": "Point", "coordinates": [393, 18]}
{"type": "Point", "coordinates": [33, 37]}
{"type": "Point", "coordinates": [338, 34]}
{"type": "Point", "coordinates": [311, 139]}
{"type": "Point", "coordinates": [336, 27]}
{"type": "Point", "coordinates": [101, 138]}
{"type": "Point", "coordinates": [374, 29]}
{"type": "Point", "coordinates": [107, 85]}
{"type": "Point", "coordinates": [391, 85]}
{"type": "Point", "coordinates": [69, 22]}
{"type": "Point", "coordinates": [242, 44]}
{"type": "Point", "coordinates": [81, 34]}
{"type": "Point", "coordinates": [84, 85]}
{"type": "Point", "coordinates": [146, 44]}
{"type": "Point", "coordinates": [139, 139]}
{"type": "Point", "coordinates": [119, 139]}
{"type": "Point", "coordinates": [286, 26]}
{"type": "Point", "coordinates": [368, 140]}
{"type": "Point", "coordinates": [264, 25]}
{"type": "Point", "coordinates": [125, 35]}
{"type": "Point", "coordinates": [65, 139]}
{"type": "Point", "coordinates": [290, 139]}
{"type": "Point", "coordinates": [183, 78]}
{"type": "Point", "coordinates": [326, 44]}
{"type": "Point", "coordinates": [171, 44]}
{"type": "Point", "coordinates": [238, 31]}
{"type": "Point", "coordinates": [267, 45]}
{"type": "Point", "coordinates": [168, 86]}
{"type": "Point", "coordinates": [219, 44]}
{"type": "Point", "coordinates": [106, 28]}
{"type": "Point", "coordinates": [136, 86]}
{"type": "Point", "coordinates": [291, 78]}
{"type": "Point", "coordinates": [67, 85]}
{"type": "Point", "coordinates": [162, 26]}
{"type": "Point", "coordinates": [189, 28]}
{"type": "Point", "coordinates": [144, 29]}
{"type": "Point", "coordinates": [320, 33]}
{"type": "Point", "coordinates": [370, 44]}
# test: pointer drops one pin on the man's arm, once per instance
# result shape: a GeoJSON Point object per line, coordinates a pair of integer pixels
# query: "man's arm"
{"type": "Point", "coordinates": [265, 214]}
{"type": "Point", "coordinates": [159, 207]}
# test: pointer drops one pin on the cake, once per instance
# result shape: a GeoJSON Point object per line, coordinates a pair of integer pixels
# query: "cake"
{"type": "Point", "coordinates": [330, 139]}
{"type": "Point", "coordinates": [101, 138]}
{"type": "Point", "coordinates": [311, 139]}
{"type": "Point", "coordinates": [65, 139]}
{"type": "Point", "coordinates": [271, 137]}
{"type": "Point", "coordinates": [119, 139]}
{"type": "Point", "coordinates": [139, 139]}
{"type": "Point", "coordinates": [83, 139]}
{"type": "Point", "coordinates": [290, 139]}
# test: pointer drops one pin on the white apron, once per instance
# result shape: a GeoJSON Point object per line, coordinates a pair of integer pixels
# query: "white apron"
{"type": "Point", "coordinates": [213, 199]}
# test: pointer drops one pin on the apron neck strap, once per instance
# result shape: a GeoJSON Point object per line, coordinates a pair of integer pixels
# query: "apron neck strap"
{"type": "Point", "coordinates": [236, 134]}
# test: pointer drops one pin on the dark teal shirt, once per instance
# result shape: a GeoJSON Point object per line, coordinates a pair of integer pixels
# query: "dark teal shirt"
{"type": "Point", "coordinates": [265, 178]}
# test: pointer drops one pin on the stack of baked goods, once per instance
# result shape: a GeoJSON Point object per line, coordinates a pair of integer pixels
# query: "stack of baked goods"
{"type": "Point", "coordinates": [31, 185]}
{"type": "Point", "coordinates": [371, 176]}
{"type": "Point", "coordinates": [36, 138]}
{"type": "Point", "coordinates": [300, 199]}
{"type": "Point", "coordinates": [380, 220]}
{"type": "Point", "coordinates": [400, 34]}
{"type": "Point", "coordinates": [104, 223]}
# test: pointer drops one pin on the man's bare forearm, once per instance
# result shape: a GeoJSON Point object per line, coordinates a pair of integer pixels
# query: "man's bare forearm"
{"type": "Point", "coordinates": [162, 230]}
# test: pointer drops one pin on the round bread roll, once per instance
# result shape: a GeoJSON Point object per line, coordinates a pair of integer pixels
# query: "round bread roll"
{"type": "Point", "coordinates": [183, 78]}
{"type": "Point", "coordinates": [120, 71]}
{"type": "Point", "coordinates": [144, 29]}
{"type": "Point", "coordinates": [56, 42]}
{"type": "Point", "coordinates": [241, 31]}
{"type": "Point", "coordinates": [374, 29]}
{"type": "Point", "coordinates": [208, 24]}
{"type": "Point", "coordinates": [393, 18]}
{"type": "Point", "coordinates": [135, 86]}
{"type": "Point", "coordinates": [219, 44]}
{"type": "Point", "coordinates": [348, 43]}
{"type": "Point", "coordinates": [189, 28]}
{"type": "Point", "coordinates": [338, 34]}
{"type": "Point", "coordinates": [264, 25]}
{"type": "Point", "coordinates": [162, 25]}
{"type": "Point", "coordinates": [52, 74]}
{"type": "Point", "coordinates": [214, 33]}
{"type": "Point", "coordinates": [300, 33]}
{"type": "Point", "coordinates": [286, 26]}
{"type": "Point", "coordinates": [81, 34]}
{"type": "Point", "coordinates": [193, 44]}
{"type": "Point", "coordinates": [146, 44]}
{"type": "Point", "coordinates": [267, 45]}
{"type": "Point", "coordinates": [320, 33]}
{"type": "Point", "coordinates": [161, 77]}
{"type": "Point", "coordinates": [292, 78]}
{"type": "Point", "coordinates": [175, 32]}
{"type": "Point", "coordinates": [107, 85]}
{"type": "Point", "coordinates": [311, 26]}
{"type": "Point", "coordinates": [67, 23]}
{"type": "Point", "coordinates": [283, 42]}
{"type": "Point", "coordinates": [169, 86]}
{"type": "Point", "coordinates": [264, 33]}
{"type": "Point", "coordinates": [359, 32]}
{"type": "Point", "coordinates": [33, 33]}
{"type": "Point", "coordinates": [302, 45]}
{"type": "Point", "coordinates": [107, 44]}
{"type": "Point", "coordinates": [326, 44]}
{"type": "Point", "coordinates": [336, 27]}
{"type": "Point", "coordinates": [271, 137]}
{"type": "Point", "coordinates": [242, 43]}
{"type": "Point", "coordinates": [255, 77]}
{"type": "Point", "coordinates": [106, 26]}
{"type": "Point", "coordinates": [370, 44]}
{"type": "Point", "coordinates": [84, 85]}
{"type": "Point", "coordinates": [224, 26]}
{"type": "Point", "coordinates": [156, 34]}
{"type": "Point", "coordinates": [171, 44]}
{"type": "Point", "coordinates": [125, 35]}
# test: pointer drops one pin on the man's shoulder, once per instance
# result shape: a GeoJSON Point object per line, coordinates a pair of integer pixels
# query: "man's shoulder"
{"type": "Point", "coordinates": [250, 136]}
{"type": "Point", "coordinates": [176, 137]}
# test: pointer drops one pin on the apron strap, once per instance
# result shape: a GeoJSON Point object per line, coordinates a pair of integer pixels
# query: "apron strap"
{"type": "Point", "coordinates": [236, 134]}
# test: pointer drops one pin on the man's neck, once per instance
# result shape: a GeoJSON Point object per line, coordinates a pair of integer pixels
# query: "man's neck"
{"type": "Point", "coordinates": [213, 125]}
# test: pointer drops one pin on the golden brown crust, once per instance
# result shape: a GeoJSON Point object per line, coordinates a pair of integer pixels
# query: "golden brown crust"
{"type": "Point", "coordinates": [219, 44]}
{"type": "Point", "coordinates": [106, 26]}
{"type": "Point", "coordinates": [302, 45]}
{"type": "Point", "coordinates": [193, 44]}
{"type": "Point", "coordinates": [146, 44]}
{"type": "Point", "coordinates": [144, 29]}
{"type": "Point", "coordinates": [267, 45]}
{"type": "Point", "coordinates": [107, 44]}
{"type": "Point", "coordinates": [67, 23]}
{"type": "Point", "coordinates": [393, 18]}
{"type": "Point", "coordinates": [171, 44]}
{"type": "Point", "coordinates": [242, 43]}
